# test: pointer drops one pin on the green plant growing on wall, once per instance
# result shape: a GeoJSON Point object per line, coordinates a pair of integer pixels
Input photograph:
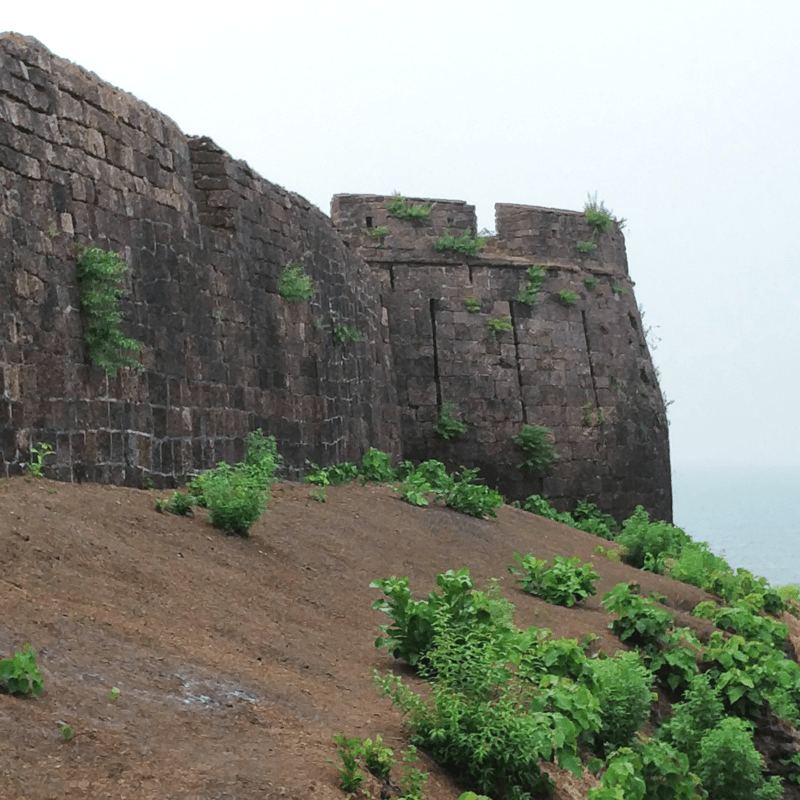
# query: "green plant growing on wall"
{"type": "Point", "coordinates": [591, 283]}
{"type": "Point", "coordinates": [473, 304]}
{"type": "Point", "coordinates": [587, 246]}
{"type": "Point", "coordinates": [448, 428]}
{"type": "Point", "coordinates": [38, 454]}
{"type": "Point", "coordinates": [535, 441]}
{"type": "Point", "coordinates": [379, 234]}
{"type": "Point", "coordinates": [399, 207]}
{"type": "Point", "coordinates": [345, 333]}
{"type": "Point", "coordinates": [294, 285]}
{"type": "Point", "coordinates": [600, 220]}
{"type": "Point", "coordinates": [101, 274]}
{"type": "Point", "coordinates": [529, 293]}
{"type": "Point", "coordinates": [465, 244]}
{"type": "Point", "coordinates": [567, 297]}
{"type": "Point", "coordinates": [498, 325]}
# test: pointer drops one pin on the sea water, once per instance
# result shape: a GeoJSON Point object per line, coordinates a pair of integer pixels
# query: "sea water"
{"type": "Point", "coordinates": [748, 515]}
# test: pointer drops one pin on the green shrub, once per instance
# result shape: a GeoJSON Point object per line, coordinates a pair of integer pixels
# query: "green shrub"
{"type": "Point", "coordinates": [591, 283]}
{"type": "Point", "coordinates": [565, 582]}
{"type": "Point", "coordinates": [399, 207]}
{"type": "Point", "coordinates": [640, 622]}
{"type": "Point", "coordinates": [730, 767]}
{"type": "Point", "coordinates": [20, 675]}
{"type": "Point", "coordinates": [378, 759]}
{"type": "Point", "coordinates": [471, 498]}
{"type": "Point", "coordinates": [294, 285]}
{"type": "Point", "coordinates": [675, 665]}
{"type": "Point", "coordinates": [448, 428]}
{"type": "Point", "coordinates": [534, 440]}
{"type": "Point", "coordinates": [538, 654]}
{"type": "Point", "coordinates": [622, 687]}
{"type": "Point", "coordinates": [743, 618]}
{"type": "Point", "coordinates": [586, 247]}
{"type": "Point", "coordinates": [473, 304]}
{"type": "Point", "coordinates": [498, 325]}
{"type": "Point", "coordinates": [344, 472]}
{"type": "Point", "coordinates": [101, 275]}
{"type": "Point", "coordinates": [696, 564]}
{"type": "Point", "coordinates": [465, 244]}
{"type": "Point", "coordinates": [350, 776]}
{"type": "Point", "coordinates": [587, 517]}
{"type": "Point", "coordinates": [180, 504]}
{"type": "Point", "coordinates": [540, 506]}
{"type": "Point", "coordinates": [415, 622]}
{"type": "Point", "coordinates": [648, 543]}
{"type": "Point", "coordinates": [234, 496]}
{"type": "Point", "coordinates": [567, 297]}
{"type": "Point", "coordinates": [651, 769]}
{"type": "Point", "coordinates": [485, 725]}
{"type": "Point", "coordinates": [529, 293]}
{"type": "Point", "coordinates": [376, 466]}
{"type": "Point", "coordinates": [237, 496]}
{"type": "Point", "coordinates": [700, 711]}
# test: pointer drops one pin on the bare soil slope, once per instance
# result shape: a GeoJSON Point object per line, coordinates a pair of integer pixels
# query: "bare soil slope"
{"type": "Point", "coordinates": [237, 659]}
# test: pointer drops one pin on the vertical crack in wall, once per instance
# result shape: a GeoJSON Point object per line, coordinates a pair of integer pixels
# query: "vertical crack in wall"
{"type": "Point", "coordinates": [391, 275]}
{"type": "Point", "coordinates": [518, 363]}
{"type": "Point", "coordinates": [432, 307]}
{"type": "Point", "coordinates": [589, 357]}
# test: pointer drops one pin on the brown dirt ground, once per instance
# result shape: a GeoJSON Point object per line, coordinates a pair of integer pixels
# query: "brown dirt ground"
{"type": "Point", "coordinates": [237, 659]}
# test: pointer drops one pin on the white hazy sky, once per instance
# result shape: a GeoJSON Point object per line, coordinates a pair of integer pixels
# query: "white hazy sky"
{"type": "Point", "coordinates": [683, 116]}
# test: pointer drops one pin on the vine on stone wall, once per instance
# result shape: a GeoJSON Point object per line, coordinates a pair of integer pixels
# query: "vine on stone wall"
{"type": "Point", "coordinates": [101, 274]}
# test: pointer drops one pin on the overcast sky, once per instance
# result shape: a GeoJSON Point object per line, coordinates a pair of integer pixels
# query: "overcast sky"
{"type": "Point", "coordinates": [683, 117]}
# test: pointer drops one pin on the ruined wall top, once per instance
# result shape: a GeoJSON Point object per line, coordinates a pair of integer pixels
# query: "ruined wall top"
{"type": "Point", "coordinates": [548, 236]}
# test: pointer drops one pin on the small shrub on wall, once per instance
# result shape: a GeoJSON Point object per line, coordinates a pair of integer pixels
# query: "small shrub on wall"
{"type": "Point", "coordinates": [533, 439]}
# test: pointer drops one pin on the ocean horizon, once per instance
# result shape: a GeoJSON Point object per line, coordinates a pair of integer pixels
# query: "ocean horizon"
{"type": "Point", "coordinates": [746, 514]}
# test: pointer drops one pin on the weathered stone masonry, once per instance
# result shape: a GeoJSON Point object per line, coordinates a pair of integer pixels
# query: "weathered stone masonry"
{"type": "Point", "coordinates": [206, 239]}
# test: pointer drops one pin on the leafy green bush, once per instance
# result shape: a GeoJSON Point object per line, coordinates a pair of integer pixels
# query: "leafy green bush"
{"type": "Point", "coordinates": [448, 428]}
{"type": "Point", "coordinates": [237, 496]}
{"type": "Point", "coordinates": [415, 622]}
{"type": "Point", "coordinates": [651, 769]}
{"type": "Point", "coordinates": [591, 283]}
{"type": "Point", "coordinates": [537, 654]}
{"type": "Point", "coordinates": [529, 293]}
{"type": "Point", "coordinates": [675, 665]}
{"type": "Point", "coordinates": [587, 246]}
{"type": "Point", "coordinates": [695, 565]}
{"type": "Point", "coordinates": [294, 285]}
{"type": "Point", "coordinates": [567, 297]}
{"type": "Point", "coordinates": [234, 496]}
{"type": "Point", "coordinates": [730, 767]}
{"type": "Point", "coordinates": [587, 517]}
{"type": "Point", "coordinates": [399, 207]}
{"type": "Point", "coordinates": [20, 675]}
{"type": "Point", "coordinates": [640, 622]}
{"type": "Point", "coordinates": [485, 725]}
{"type": "Point", "coordinates": [622, 687]}
{"type": "Point", "coordinates": [498, 325]}
{"type": "Point", "coordinates": [534, 440]}
{"type": "Point", "coordinates": [379, 232]}
{"type": "Point", "coordinates": [344, 472]}
{"type": "Point", "coordinates": [648, 543]}
{"type": "Point", "coordinates": [180, 504]}
{"type": "Point", "coordinates": [378, 759]}
{"type": "Point", "coordinates": [465, 244]}
{"type": "Point", "coordinates": [699, 713]}
{"type": "Point", "coordinates": [350, 776]}
{"type": "Point", "coordinates": [743, 618]}
{"type": "Point", "coordinates": [471, 498]}
{"type": "Point", "coordinates": [565, 582]}
{"type": "Point", "coordinates": [376, 466]}
{"type": "Point", "coordinates": [101, 275]}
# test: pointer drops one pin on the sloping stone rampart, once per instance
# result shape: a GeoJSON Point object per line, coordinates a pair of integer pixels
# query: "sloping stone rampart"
{"type": "Point", "coordinates": [206, 238]}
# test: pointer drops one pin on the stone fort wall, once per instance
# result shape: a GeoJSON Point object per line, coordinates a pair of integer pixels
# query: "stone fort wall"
{"type": "Point", "coordinates": [206, 239]}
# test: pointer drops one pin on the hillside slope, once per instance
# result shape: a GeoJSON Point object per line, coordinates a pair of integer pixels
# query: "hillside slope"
{"type": "Point", "coordinates": [237, 659]}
